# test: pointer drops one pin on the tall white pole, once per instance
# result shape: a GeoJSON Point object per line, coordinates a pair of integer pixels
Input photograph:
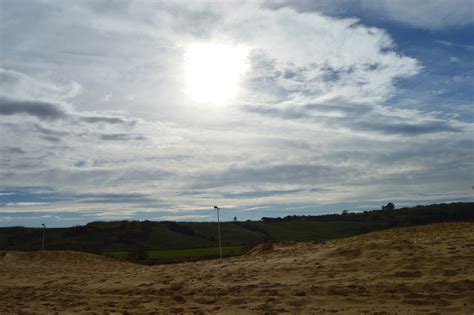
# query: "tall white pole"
{"type": "Point", "coordinates": [44, 229]}
{"type": "Point", "coordinates": [219, 232]}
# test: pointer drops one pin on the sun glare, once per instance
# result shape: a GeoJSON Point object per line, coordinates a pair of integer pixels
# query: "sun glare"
{"type": "Point", "coordinates": [213, 71]}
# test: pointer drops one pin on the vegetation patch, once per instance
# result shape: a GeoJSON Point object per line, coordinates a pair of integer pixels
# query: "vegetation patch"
{"type": "Point", "coordinates": [174, 241]}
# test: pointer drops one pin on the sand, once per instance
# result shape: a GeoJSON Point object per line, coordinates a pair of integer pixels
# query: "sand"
{"type": "Point", "coordinates": [416, 270]}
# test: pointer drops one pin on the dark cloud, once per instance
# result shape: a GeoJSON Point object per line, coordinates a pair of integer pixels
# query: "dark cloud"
{"type": "Point", "coordinates": [105, 119]}
{"type": "Point", "coordinates": [80, 163]}
{"type": "Point", "coordinates": [51, 112]}
{"type": "Point", "coordinates": [355, 117]}
{"type": "Point", "coordinates": [121, 137]}
{"type": "Point", "coordinates": [339, 106]}
{"type": "Point", "coordinates": [12, 150]}
{"type": "Point", "coordinates": [409, 129]}
{"type": "Point", "coordinates": [110, 120]}
{"type": "Point", "coordinates": [53, 139]}
{"type": "Point", "coordinates": [38, 109]}
{"type": "Point", "coordinates": [311, 111]}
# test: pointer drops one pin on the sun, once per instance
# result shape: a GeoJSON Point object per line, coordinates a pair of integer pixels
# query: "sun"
{"type": "Point", "coordinates": [213, 71]}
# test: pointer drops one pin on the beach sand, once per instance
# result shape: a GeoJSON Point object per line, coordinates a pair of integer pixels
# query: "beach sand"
{"type": "Point", "coordinates": [425, 269]}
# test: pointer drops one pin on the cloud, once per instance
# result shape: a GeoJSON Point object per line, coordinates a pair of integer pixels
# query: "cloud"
{"type": "Point", "coordinates": [453, 59]}
{"type": "Point", "coordinates": [100, 119]}
{"type": "Point", "coordinates": [182, 217]}
{"type": "Point", "coordinates": [411, 129]}
{"type": "Point", "coordinates": [331, 59]}
{"type": "Point", "coordinates": [303, 174]}
{"type": "Point", "coordinates": [24, 204]}
{"type": "Point", "coordinates": [18, 85]}
{"type": "Point", "coordinates": [50, 132]}
{"type": "Point", "coordinates": [430, 14]}
{"type": "Point", "coordinates": [100, 198]}
{"type": "Point", "coordinates": [444, 43]}
{"type": "Point", "coordinates": [358, 118]}
{"type": "Point", "coordinates": [52, 112]}
{"type": "Point", "coordinates": [269, 193]}
{"type": "Point", "coordinates": [37, 199]}
{"type": "Point", "coordinates": [262, 193]}
{"type": "Point", "coordinates": [6, 193]}
{"type": "Point", "coordinates": [38, 109]}
{"type": "Point", "coordinates": [120, 137]}
{"type": "Point", "coordinates": [320, 106]}
{"type": "Point", "coordinates": [13, 150]}
{"type": "Point", "coordinates": [52, 139]}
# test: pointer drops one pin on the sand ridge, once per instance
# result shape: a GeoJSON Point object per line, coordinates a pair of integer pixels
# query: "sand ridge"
{"type": "Point", "coordinates": [425, 269]}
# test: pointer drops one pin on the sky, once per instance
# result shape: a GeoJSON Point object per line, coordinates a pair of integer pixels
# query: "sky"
{"type": "Point", "coordinates": [159, 110]}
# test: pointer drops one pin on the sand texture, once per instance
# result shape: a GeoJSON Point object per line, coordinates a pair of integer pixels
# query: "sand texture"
{"type": "Point", "coordinates": [416, 270]}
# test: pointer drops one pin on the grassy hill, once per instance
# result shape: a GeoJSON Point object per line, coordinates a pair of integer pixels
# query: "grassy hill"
{"type": "Point", "coordinates": [160, 240]}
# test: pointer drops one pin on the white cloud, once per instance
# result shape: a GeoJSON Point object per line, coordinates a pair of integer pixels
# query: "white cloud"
{"type": "Point", "coordinates": [453, 59]}
{"type": "Point", "coordinates": [137, 50]}
{"type": "Point", "coordinates": [106, 112]}
{"type": "Point", "coordinates": [25, 204]}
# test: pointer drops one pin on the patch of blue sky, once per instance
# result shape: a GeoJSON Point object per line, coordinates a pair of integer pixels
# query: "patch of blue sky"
{"type": "Point", "coordinates": [444, 85]}
{"type": "Point", "coordinates": [30, 194]}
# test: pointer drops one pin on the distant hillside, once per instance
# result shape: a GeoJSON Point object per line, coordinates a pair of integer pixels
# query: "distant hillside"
{"type": "Point", "coordinates": [128, 235]}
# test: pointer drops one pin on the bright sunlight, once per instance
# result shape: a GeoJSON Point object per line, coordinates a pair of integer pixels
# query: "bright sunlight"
{"type": "Point", "coordinates": [213, 71]}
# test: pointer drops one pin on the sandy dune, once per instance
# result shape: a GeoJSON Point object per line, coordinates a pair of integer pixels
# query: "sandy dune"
{"type": "Point", "coordinates": [428, 269]}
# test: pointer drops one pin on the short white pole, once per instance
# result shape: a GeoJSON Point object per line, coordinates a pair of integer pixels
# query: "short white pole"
{"type": "Point", "coordinates": [44, 229]}
{"type": "Point", "coordinates": [219, 232]}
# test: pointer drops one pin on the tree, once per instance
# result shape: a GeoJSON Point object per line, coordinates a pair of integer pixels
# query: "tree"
{"type": "Point", "coordinates": [389, 206]}
{"type": "Point", "coordinates": [235, 219]}
{"type": "Point", "coordinates": [345, 212]}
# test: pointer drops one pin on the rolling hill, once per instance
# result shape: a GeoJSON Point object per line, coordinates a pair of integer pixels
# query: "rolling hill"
{"type": "Point", "coordinates": [128, 236]}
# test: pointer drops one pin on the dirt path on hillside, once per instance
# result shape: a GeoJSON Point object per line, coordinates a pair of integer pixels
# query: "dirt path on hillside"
{"type": "Point", "coordinates": [427, 269]}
